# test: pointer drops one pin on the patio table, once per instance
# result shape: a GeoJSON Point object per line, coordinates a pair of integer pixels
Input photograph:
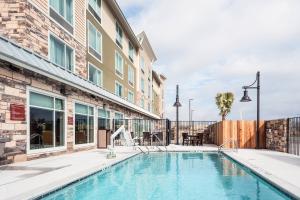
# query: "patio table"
{"type": "Point", "coordinates": [192, 138]}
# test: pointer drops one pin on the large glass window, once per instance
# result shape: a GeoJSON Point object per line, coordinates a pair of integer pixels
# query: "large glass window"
{"type": "Point", "coordinates": [47, 121]}
{"type": "Point", "coordinates": [119, 120]}
{"type": "Point", "coordinates": [131, 76]}
{"type": "Point", "coordinates": [119, 35]}
{"type": "Point", "coordinates": [84, 124]}
{"type": "Point", "coordinates": [95, 75]}
{"type": "Point", "coordinates": [103, 119]}
{"type": "Point", "coordinates": [61, 54]}
{"type": "Point", "coordinates": [130, 97]}
{"type": "Point", "coordinates": [119, 64]}
{"type": "Point", "coordinates": [95, 41]}
{"type": "Point", "coordinates": [119, 89]}
{"type": "Point", "coordinates": [63, 8]}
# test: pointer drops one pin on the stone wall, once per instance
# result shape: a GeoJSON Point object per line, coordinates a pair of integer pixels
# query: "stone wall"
{"type": "Point", "coordinates": [23, 23]}
{"type": "Point", "coordinates": [14, 83]}
{"type": "Point", "coordinates": [276, 135]}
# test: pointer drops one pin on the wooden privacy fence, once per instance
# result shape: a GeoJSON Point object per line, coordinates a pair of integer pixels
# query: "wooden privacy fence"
{"type": "Point", "coordinates": [244, 132]}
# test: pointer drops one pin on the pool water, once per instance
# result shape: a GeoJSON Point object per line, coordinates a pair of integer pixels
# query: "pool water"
{"type": "Point", "coordinates": [184, 176]}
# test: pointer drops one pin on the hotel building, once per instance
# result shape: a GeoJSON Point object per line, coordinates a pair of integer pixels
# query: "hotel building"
{"type": "Point", "coordinates": [69, 69]}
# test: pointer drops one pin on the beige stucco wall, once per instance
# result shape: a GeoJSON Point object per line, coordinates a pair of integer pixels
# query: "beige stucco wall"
{"type": "Point", "coordinates": [109, 25]}
{"type": "Point", "coordinates": [107, 66]}
{"type": "Point", "coordinates": [146, 75]}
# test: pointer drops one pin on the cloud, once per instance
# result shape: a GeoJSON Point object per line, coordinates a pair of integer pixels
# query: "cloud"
{"type": "Point", "coordinates": [218, 45]}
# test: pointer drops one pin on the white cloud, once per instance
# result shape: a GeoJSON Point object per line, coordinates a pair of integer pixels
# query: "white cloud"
{"type": "Point", "coordinates": [218, 45]}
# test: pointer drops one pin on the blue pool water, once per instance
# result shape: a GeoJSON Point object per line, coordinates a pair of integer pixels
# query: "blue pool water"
{"type": "Point", "coordinates": [184, 176]}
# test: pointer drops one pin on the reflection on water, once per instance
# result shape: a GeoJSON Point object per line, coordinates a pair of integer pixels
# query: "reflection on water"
{"type": "Point", "coordinates": [172, 176]}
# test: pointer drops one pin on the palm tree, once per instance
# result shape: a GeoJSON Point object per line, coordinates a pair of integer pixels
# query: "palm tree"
{"type": "Point", "coordinates": [224, 102]}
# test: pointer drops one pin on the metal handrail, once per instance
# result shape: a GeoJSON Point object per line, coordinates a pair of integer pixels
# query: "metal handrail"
{"type": "Point", "coordinates": [141, 150]}
{"type": "Point", "coordinates": [228, 141]}
{"type": "Point", "coordinates": [160, 142]}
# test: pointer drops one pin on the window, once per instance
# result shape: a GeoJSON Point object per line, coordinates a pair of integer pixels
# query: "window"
{"type": "Point", "coordinates": [95, 41]}
{"type": "Point", "coordinates": [149, 91]}
{"type": "Point", "coordinates": [142, 64]}
{"type": "Point", "coordinates": [131, 52]}
{"type": "Point", "coordinates": [119, 89]}
{"type": "Point", "coordinates": [149, 107]}
{"type": "Point", "coordinates": [62, 12]}
{"type": "Point", "coordinates": [130, 97]}
{"type": "Point", "coordinates": [61, 54]}
{"type": "Point", "coordinates": [103, 119]}
{"type": "Point", "coordinates": [47, 121]}
{"type": "Point", "coordinates": [131, 76]}
{"type": "Point", "coordinates": [142, 85]}
{"type": "Point", "coordinates": [84, 124]}
{"type": "Point", "coordinates": [95, 8]}
{"type": "Point", "coordinates": [119, 35]}
{"type": "Point", "coordinates": [95, 75]}
{"type": "Point", "coordinates": [142, 103]}
{"type": "Point", "coordinates": [119, 64]}
{"type": "Point", "coordinates": [119, 120]}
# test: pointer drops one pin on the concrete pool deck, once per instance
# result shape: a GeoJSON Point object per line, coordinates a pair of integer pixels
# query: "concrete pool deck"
{"type": "Point", "coordinates": [34, 178]}
{"type": "Point", "coordinates": [281, 169]}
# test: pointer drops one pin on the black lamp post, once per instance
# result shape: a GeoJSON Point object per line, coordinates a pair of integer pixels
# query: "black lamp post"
{"type": "Point", "coordinates": [177, 104]}
{"type": "Point", "coordinates": [246, 98]}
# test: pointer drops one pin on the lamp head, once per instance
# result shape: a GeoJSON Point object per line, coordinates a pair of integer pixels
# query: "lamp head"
{"type": "Point", "coordinates": [245, 98]}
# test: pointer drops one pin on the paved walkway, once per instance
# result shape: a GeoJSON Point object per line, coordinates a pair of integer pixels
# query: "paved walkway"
{"type": "Point", "coordinates": [33, 178]}
{"type": "Point", "coordinates": [281, 169]}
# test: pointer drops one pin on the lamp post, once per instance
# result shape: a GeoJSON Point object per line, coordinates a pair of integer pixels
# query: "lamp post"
{"type": "Point", "coordinates": [190, 114]}
{"type": "Point", "coordinates": [177, 104]}
{"type": "Point", "coordinates": [246, 98]}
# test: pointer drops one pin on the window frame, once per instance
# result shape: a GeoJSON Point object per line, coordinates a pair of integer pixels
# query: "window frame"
{"type": "Point", "coordinates": [130, 92]}
{"type": "Point", "coordinates": [97, 69]}
{"type": "Point", "coordinates": [122, 90]}
{"type": "Point", "coordinates": [130, 68]}
{"type": "Point", "coordinates": [54, 96]}
{"type": "Point", "coordinates": [117, 72]}
{"type": "Point", "coordinates": [142, 64]}
{"type": "Point", "coordinates": [109, 117]}
{"type": "Point", "coordinates": [89, 23]}
{"type": "Point", "coordinates": [142, 88]}
{"type": "Point", "coordinates": [65, 47]}
{"type": "Point", "coordinates": [131, 57]}
{"type": "Point", "coordinates": [118, 27]}
{"type": "Point", "coordinates": [73, 13]}
{"type": "Point", "coordinates": [98, 15]}
{"type": "Point", "coordinates": [78, 146]}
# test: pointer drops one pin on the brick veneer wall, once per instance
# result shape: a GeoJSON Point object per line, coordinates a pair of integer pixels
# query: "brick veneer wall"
{"type": "Point", "coordinates": [276, 135]}
{"type": "Point", "coordinates": [23, 23]}
{"type": "Point", "coordinates": [14, 83]}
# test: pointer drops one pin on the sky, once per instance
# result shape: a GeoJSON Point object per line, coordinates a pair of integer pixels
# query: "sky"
{"type": "Point", "coordinates": [216, 46]}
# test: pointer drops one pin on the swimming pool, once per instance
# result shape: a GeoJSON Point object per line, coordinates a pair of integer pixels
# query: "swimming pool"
{"type": "Point", "coordinates": [172, 176]}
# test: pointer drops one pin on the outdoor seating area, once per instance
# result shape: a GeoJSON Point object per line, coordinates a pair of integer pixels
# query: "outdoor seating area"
{"type": "Point", "coordinates": [192, 139]}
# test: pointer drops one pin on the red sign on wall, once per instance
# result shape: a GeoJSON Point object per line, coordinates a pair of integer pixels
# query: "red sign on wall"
{"type": "Point", "coordinates": [17, 112]}
{"type": "Point", "coordinates": [70, 120]}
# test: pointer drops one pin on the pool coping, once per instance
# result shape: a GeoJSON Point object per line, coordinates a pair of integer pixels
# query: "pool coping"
{"type": "Point", "coordinates": [283, 186]}
{"type": "Point", "coordinates": [41, 194]}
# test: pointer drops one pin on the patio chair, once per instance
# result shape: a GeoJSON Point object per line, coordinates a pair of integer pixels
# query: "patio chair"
{"type": "Point", "coordinates": [199, 139]}
{"type": "Point", "coordinates": [185, 139]}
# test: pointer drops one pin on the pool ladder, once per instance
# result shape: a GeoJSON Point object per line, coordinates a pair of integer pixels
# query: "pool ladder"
{"type": "Point", "coordinates": [229, 141]}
